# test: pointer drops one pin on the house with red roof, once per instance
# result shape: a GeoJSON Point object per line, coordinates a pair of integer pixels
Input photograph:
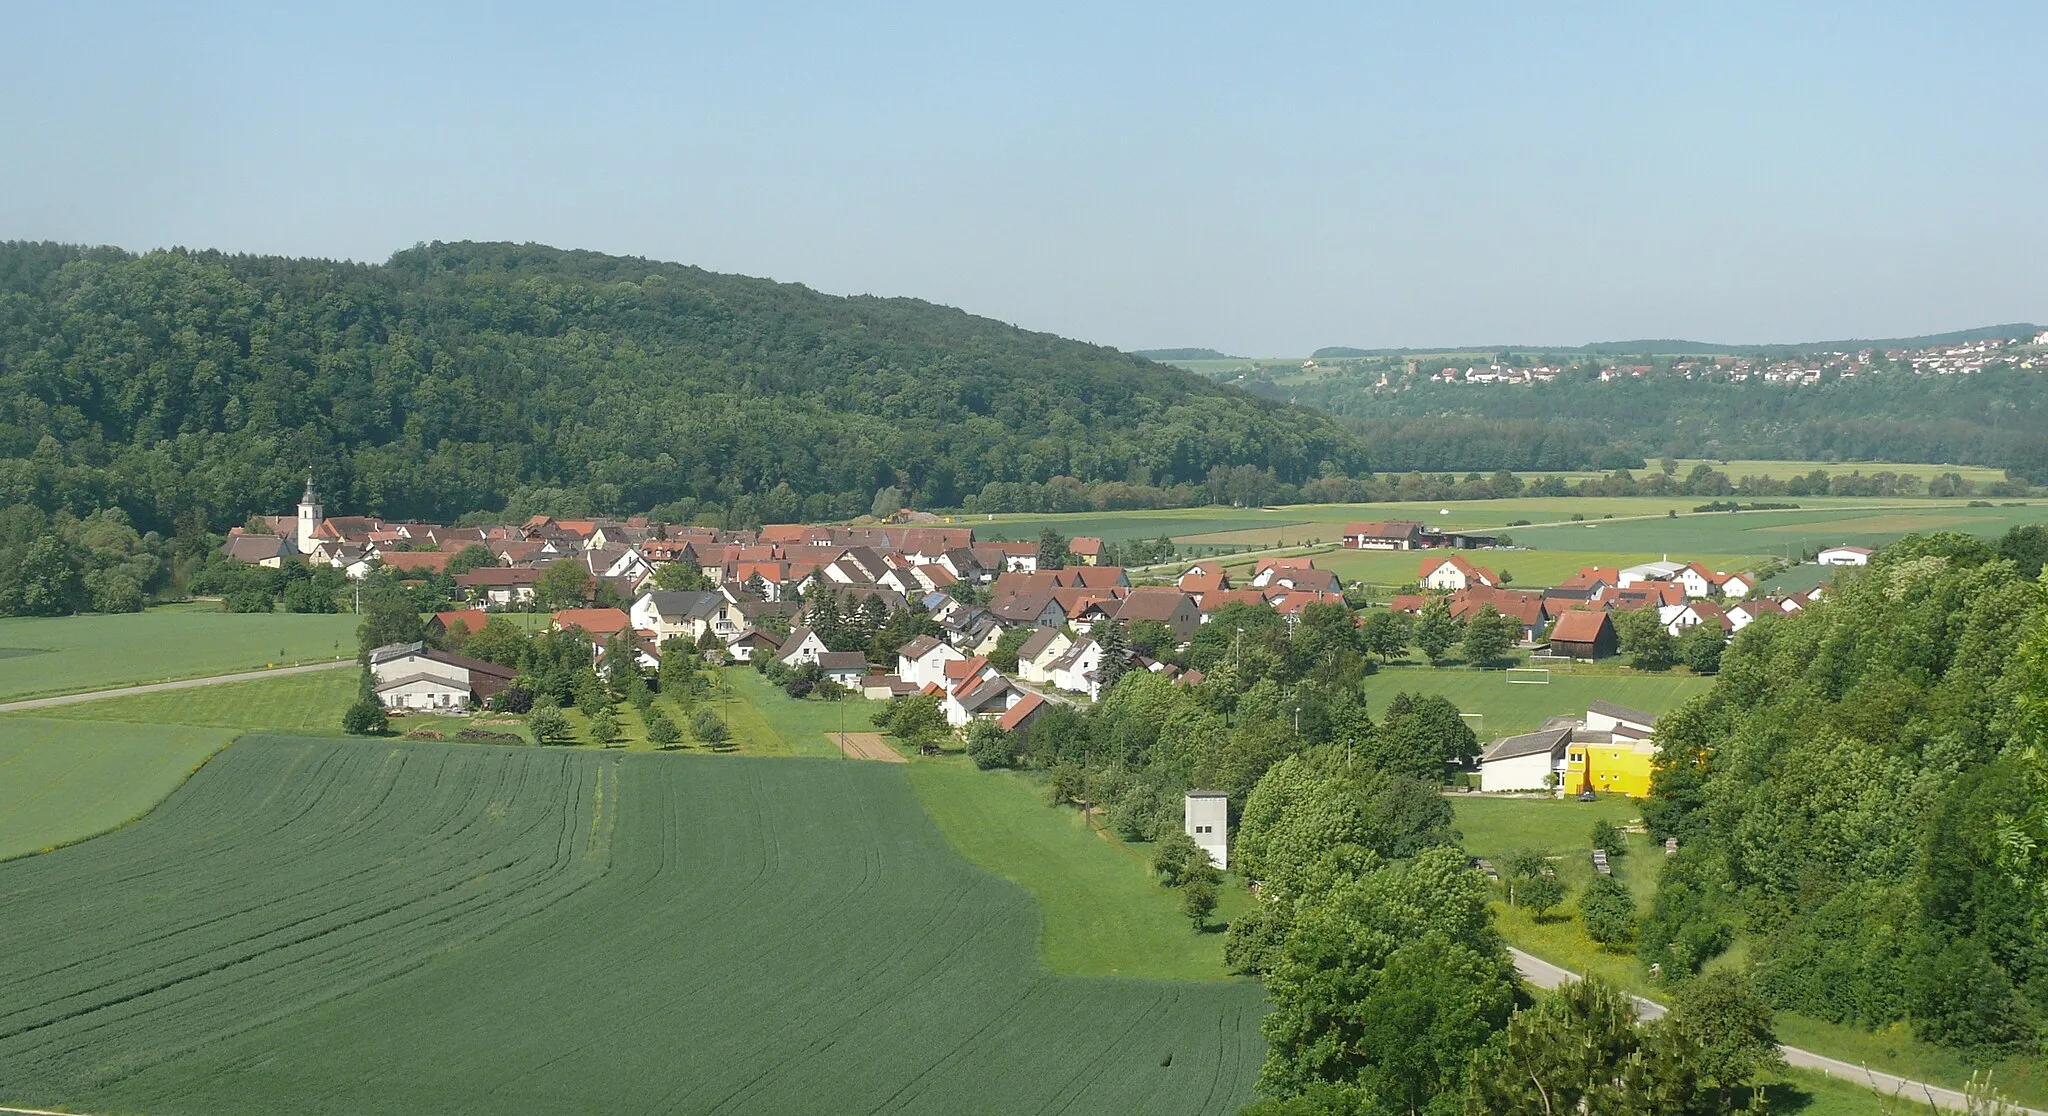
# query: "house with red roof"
{"type": "Point", "coordinates": [1454, 573]}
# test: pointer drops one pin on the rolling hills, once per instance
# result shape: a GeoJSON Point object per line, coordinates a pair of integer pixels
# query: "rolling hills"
{"type": "Point", "coordinates": [459, 377]}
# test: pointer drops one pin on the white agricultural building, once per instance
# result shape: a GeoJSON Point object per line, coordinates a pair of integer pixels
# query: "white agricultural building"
{"type": "Point", "coordinates": [1844, 556]}
{"type": "Point", "coordinates": [1206, 818]}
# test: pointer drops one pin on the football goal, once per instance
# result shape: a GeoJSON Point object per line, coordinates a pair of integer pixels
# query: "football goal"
{"type": "Point", "coordinates": [1478, 721]}
{"type": "Point", "coordinates": [1528, 676]}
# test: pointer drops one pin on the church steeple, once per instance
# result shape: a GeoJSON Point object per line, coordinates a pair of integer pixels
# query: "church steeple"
{"type": "Point", "coordinates": [310, 516]}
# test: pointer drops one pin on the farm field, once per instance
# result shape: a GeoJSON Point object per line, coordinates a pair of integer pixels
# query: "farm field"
{"type": "Point", "coordinates": [1105, 913]}
{"type": "Point", "coordinates": [1510, 708]}
{"type": "Point", "coordinates": [71, 654]}
{"type": "Point", "coordinates": [63, 781]}
{"type": "Point", "coordinates": [338, 926]}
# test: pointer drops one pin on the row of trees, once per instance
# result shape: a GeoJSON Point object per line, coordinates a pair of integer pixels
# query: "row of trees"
{"type": "Point", "coordinates": [1860, 795]}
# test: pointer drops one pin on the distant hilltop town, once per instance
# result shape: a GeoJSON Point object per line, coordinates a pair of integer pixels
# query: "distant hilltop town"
{"type": "Point", "coordinates": [1954, 359]}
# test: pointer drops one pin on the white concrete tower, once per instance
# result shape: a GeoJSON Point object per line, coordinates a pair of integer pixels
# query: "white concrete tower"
{"type": "Point", "coordinates": [309, 516]}
{"type": "Point", "coordinates": [1206, 818]}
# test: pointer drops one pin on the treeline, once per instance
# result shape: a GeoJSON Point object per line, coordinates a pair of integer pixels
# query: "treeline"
{"type": "Point", "coordinates": [1995, 418]}
{"type": "Point", "coordinates": [1861, 794]}
{"type": "Point", "coordinates": [521, 379]}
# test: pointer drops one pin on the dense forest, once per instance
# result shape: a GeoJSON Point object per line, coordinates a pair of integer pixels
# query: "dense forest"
{"type": "Point", "coordinates": [464, 377]}
{"type": "Point", "coordinates": [1861, 793]}
{"type": "Point", "coordinates": [1997, 418]}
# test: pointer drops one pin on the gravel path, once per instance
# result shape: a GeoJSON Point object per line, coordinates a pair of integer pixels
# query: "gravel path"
{"type": "Point", "coordinates": [159, 687]}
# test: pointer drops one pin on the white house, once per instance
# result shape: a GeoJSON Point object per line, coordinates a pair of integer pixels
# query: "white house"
{"type": "Point", "coordinates": [1075, 670]}
{"type": "Point", "coordinates": [980, 694]}
{"type": "Point", "coordinates": [1037, 655]}
{"type": "Point", "coordinates": [1844, 556]}
{"type": "Point", "coordinates": [668, 614]}
{"type": "Point", "coordinates": [803, 646]}
{"type": "Point", "coordinates": [1737, 585]}
{"type": "Point", "coordinates": [1532, 761]}
{"type": "Point", "coordinates": [1454, 573]}
{"type": "Point", "coordinates": [923, 660]}
{"type": "Point", "coordinates": [1205, 816]}
{"type": "Point", "coordinates": [846, 668]}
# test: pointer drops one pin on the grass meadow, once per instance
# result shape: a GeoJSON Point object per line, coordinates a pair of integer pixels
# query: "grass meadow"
{"type": "Point", "coordinates": [62, 781]}
{"type": "Point", "coordinates": [1105, 914]}
{"type": "Point", "coordinates": [1509, 708]}
{"type": "Point", "coordinates": [72, 654]}
{"type": "Point", "coordinates": [393, 926]}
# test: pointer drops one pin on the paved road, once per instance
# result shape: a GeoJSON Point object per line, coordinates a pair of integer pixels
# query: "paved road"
{"type": "Point", "coordinates": [1543, 974]}
{"type": "Point", "coordinates": [158, 687]}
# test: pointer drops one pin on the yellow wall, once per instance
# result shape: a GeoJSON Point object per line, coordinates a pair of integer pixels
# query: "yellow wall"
{"type": "Point", "coordinates": [1619, 768]}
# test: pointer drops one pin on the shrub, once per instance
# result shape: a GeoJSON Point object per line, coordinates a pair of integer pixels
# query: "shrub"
{"type": "Point", "coordinates": [512, 699]}
{"type": "Point", "coordinates": [365, 718]}
{"type": "Point", "coordinates": [1609, 911]}
{"type": "Point", "coordinates": [1610, 839]}
{"type": "Point", "coordinates": [989, 746]}
{"type": "Point", "coordinates": [1253, 943]}
{"type": "Point", "coordinates": [1177, 857]}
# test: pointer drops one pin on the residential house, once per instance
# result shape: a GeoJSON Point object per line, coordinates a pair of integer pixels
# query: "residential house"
{"type": "Point", "coordinates": [1167, 605]}
{"type": "Point", "coordinates": [802, 646]}
{"type": "Point", "coordinates": [1029, 610]}
{"type": "Point", "coordinates": [1036, 655]}
{"type": "Point", "coordinates": [500, 586]}
{"type": "Point", "coordinates": [1086, 550]}
{"type": "Point", "coordinates": [1677, 618]}
{"type": "Point", "coordinates": [1075, 670]}
{"type": "Point", "coordinates": [923, 660]}
{"type": "Point", "coordinates": [599, 624]}
{"type": "Point", "coordinates": [749, 642]}
{"type": "Point", "coordinates": [979, 696]}
{"type": "Point", "coordinates": [1583, 634]}
{"type": "Point", "coordinates": [1527, 610]}
{"type": "Point", "coordinates": [1020, 716]}
{"type": "Point", "coordinates": [670, 613]}
{"type": "Point", "coordinates": [1455, 573]}
{"type": "Point", "coordinates": [846, 668]}
{"type": "Point", "coordinates": [887, 687]}
{"type": "Point", "coordinates": [1198, 580]}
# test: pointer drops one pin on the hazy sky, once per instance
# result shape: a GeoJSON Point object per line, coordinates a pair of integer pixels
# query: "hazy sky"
{"type": "Point", "coordinates": [1257, 180]}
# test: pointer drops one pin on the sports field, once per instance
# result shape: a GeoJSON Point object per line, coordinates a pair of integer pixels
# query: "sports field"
{"type": "Point", "coordinates": [61, 781]}
{"type": "Point", "coordinates": [71, 654]}
{"type": "Point", "coordinates": [1509, 708]}
{"type": "Point", "coordinates": [331, 926]}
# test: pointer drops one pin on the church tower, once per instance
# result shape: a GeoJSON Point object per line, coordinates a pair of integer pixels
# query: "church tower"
{"type": "Point", "coordinates": [309, 516]}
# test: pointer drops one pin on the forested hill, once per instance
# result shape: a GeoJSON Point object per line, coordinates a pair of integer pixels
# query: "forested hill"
{"type": "Point", "coordinates": [458, 377]}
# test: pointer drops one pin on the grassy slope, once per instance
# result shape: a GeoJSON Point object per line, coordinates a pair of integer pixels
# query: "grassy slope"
{"type": "Point", "coordinates": [1105, 914]}
{"type": "Point", "coordinates": [62, 781]}
{"type": "Point", "coordinates": [191, 641]}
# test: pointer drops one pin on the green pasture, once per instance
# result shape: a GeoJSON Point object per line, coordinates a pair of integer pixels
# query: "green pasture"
{"type": "Point", "coordinates": [1105, 913]}
{"type": "Point", "coordinates": [70, 654]}
{"type": "Point", "coordinates": [764, 721]}
{"type": "Point", "coordinates": [303, 704]}
{"type": "Point", "coordinates": [393, 926]}
{"type": "Point", "coordinates": [1509, 708]}
{"type": "Point", "coordinates": [62, 781]}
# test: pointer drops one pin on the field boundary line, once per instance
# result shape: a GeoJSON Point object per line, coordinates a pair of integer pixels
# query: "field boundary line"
{"type": "Point", "coordinates": [160, 687]}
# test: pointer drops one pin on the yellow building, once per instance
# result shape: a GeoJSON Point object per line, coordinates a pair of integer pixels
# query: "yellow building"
{"type": "Point", "coordinates": [1612, 754]}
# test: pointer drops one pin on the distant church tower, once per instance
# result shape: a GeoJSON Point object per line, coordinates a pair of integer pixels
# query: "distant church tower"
{"type": "Point", "coordinates": [309, 516]}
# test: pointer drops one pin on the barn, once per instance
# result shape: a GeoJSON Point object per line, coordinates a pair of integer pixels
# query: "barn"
{"type": "Point", "coordinates": [1582, 635]}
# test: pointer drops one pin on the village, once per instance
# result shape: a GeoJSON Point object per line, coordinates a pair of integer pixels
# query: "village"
{"type": "Point", "coordinates": [995, 631]}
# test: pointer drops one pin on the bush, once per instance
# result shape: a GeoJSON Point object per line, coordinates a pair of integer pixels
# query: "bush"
{"type": "Point", "coordinates": [512, 699]}
{"type": "Point", "coordinates": [1253, 943]}
{"type": "Point", "coordinates": [365, 718]}
{"type": "Point", "coordinates": [1609, 911]}
{"type": "Point", "coordinates": [1177, 858]}
{"type": "Point", "coordinates": [1610, 839]}
{"type": "Point", "coordinates": [661, 732]}
{"type": "Point", "coordinates": [706, 726]}
{"type": "Point", "coordinates": [989, 746]}
{"type": "Point", "coordinates": [1542, 893]}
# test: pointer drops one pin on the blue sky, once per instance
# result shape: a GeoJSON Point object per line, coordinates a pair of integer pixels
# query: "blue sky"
{"type": "Point", "coordinates": [1138, 175]}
